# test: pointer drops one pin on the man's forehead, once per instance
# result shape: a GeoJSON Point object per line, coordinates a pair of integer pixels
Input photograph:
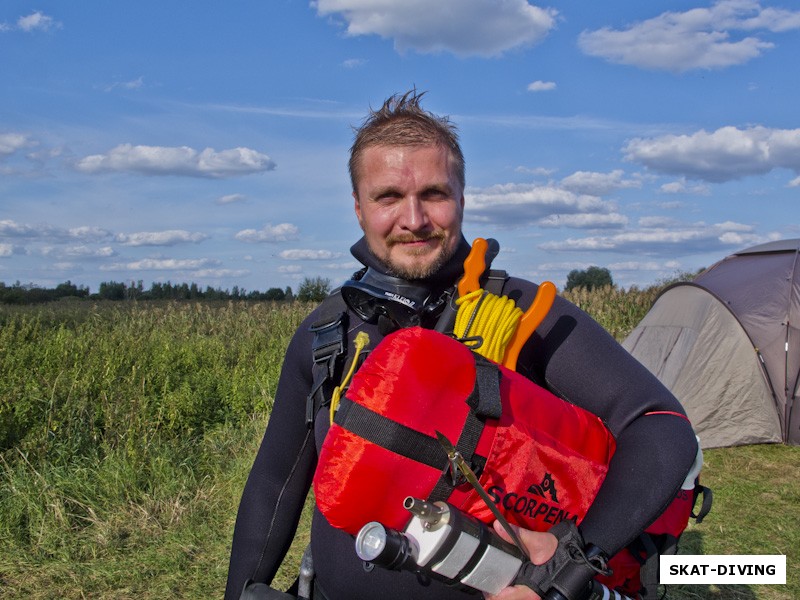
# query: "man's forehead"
{"type": "Point", "coordinates": [398, 157]}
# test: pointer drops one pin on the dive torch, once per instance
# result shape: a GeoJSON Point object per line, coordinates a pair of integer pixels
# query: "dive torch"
{"type": "Point", "coordinates": [455, 548]}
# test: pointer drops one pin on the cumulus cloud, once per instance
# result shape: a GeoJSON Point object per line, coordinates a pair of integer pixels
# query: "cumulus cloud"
{"type": "Point", "coordinates": [162, 264]}
{"type": "Point", "coordinates": [598, 184]}
{"type": "Point", "coordinates": [166, 160]}
{"type": "Point", "coordinates": [8, 250]}
{"type": "Point", "coordinates": [269, 233]}
{"type": "Point", "coordinates": [12, 229]}
{"type": "Point", "coordinates": [674, 240]}
{"type": "Point", "coordinates": [82, 251]}
{"type": "Point", "coordinates": [37, 21]}
{"type": "Point", "coordinates": [525, 204]}
{"type": "Point", "coordinates": [13, 142]}
{"type": "Point", "coordinates": [650, 265]}
{"type": "Point", "coordinates": [585, 221]}
{"type": "Point", "coordinates": [298, 254]}
{"type": "Point", "coordinates": [290, 269]}
{"type": "Point", "coordinates": [538, 171]}
{"type": "Point", "coordinates": [723, 155]}
{"type": "Point", "coordinates": [683, 187]}
{"type": "Point", "coordinates": [541, 86]}
{"type": "Point", "coordinates": [700, 38]}
{"type": "Point", "coordinates": [231, 198]}
{"type": "Point", "coordinates": [221, 273]}
{"type": "Point", "coordinates": [462, 27]}
{"type": "Point", "coordinates": [170, 237]}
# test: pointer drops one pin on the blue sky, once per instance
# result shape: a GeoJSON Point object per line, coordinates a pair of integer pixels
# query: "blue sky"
{"type": "Point", "coordinates": [206, 142]}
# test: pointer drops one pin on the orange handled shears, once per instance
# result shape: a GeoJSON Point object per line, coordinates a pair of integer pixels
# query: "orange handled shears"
{"type": "Point", "coordinates": [530, 320]}
{"type": "Point", "coordinates": [474, 266]}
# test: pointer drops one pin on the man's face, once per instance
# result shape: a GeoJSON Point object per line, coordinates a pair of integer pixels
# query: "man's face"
{"type": "Point", "coordinates": [409, 204]}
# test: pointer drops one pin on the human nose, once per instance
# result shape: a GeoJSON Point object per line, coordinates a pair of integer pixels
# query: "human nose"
{"type": "Point", "coordinates": [414, 217]}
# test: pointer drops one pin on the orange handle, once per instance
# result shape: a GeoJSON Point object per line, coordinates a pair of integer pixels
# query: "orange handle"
{"type": "Point", "coordinates": [532, 318]}
{"type": "Point", "coordinates": [474, 266]}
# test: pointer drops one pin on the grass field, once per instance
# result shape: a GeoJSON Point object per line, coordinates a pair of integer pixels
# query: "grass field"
{"type": "Point", "coordinates": [127, 431]}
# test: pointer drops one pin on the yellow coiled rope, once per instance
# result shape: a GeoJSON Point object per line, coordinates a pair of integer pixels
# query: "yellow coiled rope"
{"type": "Point", "coordinates": [492, 319]}
{"type": "Point", "coordinates": [361, 341]}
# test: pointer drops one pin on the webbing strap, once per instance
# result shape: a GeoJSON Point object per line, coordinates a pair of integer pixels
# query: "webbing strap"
{"type": "Point", "coordinates": [389, 434]}
{"type": "Point", "coordinates": [705, 506]}
{"type": "Point", "coordinates": [484, 402]}
{"type": "Point", "coordinates": [648, 572]}
{"type": "Point", "coordinates": [485, 396]}
{"type": "Point", "coordinates": [326, 348]}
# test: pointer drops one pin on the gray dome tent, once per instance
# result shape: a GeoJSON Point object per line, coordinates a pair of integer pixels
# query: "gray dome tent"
{"type": "Point", "coordinates": [728, 346]}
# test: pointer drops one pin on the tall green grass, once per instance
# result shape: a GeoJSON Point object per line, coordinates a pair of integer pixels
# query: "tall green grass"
{"type": "Point", "coordinates": [127, 431]}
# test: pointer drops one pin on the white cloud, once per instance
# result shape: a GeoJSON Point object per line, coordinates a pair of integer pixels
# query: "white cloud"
{"type": "Point", "coordinates": [538, 171]}
{"type": "Point", "coordinates": [598, 184]}
{"type": "Point", "coordinates": [682, 187]}
{"type": "Point", "coordinates": [462, 27]}
{"type": "Point", "coordinates": [269, 233]}
{"type": "Point", "coordinates": [700, 38]}
{"type": "Point", "coordinates": [9, 228]}
{"type": "Point", "coordinates": [231, 198]}
{"type": "Point", "coordinates": [659, 222]}
{"type": "Point", "coordinates": [723, 155]}
{"type": "Point", "coordinates": [7, 250]}
{"type": "Point", "coordinates": [12, 142]}
{"type": "Point", "coordinates": [162, 264]}
{"type": "Point", "coordinates": [298, 254]}
{"type": "Point", "coordinates": [673, 240]}
{"type": "Point", "coordinates": [585, 221]}
{"type": "Point", "coordinates": [635, 266]}
{"type": "Point", "coordinates": [165, 160]}
{"type": "Point", "coordinates": [524, 204]}
{"type": "Point", "coordinates": [87, 233]}
{"type": "Point", "coordinates": [221, 273]}
{"type": "Point", "coordinates": [37, 21]}
{"type": "Point", "coordinates": [160, 238]}
{"type": "Point", "coordinates": [354, 63]}
{"type": "Point", "coordinates": [133, 84]}
{"type": "Point", "coordinates": [79, 252]}
{"type": "Point", "coordinates": [541, 86]}
{"type": "Point", "coordinates": [345, 266]}
{"type": "Point", "coordinates": [794, 182]}
{"type": "Point", "coordinates": [290, 269]}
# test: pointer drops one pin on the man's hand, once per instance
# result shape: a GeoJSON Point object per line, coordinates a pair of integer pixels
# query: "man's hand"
{"type": "Point", "coordinates": [540, 546]}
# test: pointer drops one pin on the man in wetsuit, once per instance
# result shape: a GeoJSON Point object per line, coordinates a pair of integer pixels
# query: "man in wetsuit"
{"type": "Point", "coordinates": [407, 173]}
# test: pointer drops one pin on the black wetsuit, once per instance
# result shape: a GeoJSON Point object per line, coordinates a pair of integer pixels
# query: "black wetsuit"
{"type": "Point", "coordinates": [569, 354]}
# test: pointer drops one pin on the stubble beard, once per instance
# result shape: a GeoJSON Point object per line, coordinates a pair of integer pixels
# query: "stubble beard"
{"type": "Point", "coordinates": [415, 271]}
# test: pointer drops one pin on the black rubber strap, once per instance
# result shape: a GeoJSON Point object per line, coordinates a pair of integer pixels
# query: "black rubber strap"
{"type": "Point", "coordinates": [569, 572]}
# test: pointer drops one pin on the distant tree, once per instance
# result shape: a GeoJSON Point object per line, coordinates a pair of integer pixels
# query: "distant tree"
{"type": "Point", "coordinates": [112, 290]}
{"type": "Point", "coordinates": [679, 276]}
{"type": "Point", "coordinates": [313, 289]}
{"type": "Point", "coordinates": [593, 277]}
{"type": "Point", "coordinates": [288, 295]}
{"type": "Point", "coordinates": [68, 288]}
{"type": "Point", "coordinates": [276, 294]}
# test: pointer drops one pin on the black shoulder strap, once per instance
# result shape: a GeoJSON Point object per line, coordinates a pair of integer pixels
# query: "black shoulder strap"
{"type": "Point", "coordinates": [495, 281]}
{"type": "Point", "coordinates": [327, 351]}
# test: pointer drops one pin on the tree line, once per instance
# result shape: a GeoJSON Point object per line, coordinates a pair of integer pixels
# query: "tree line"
{"type": "Point", "coordinates": [312, 289]}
